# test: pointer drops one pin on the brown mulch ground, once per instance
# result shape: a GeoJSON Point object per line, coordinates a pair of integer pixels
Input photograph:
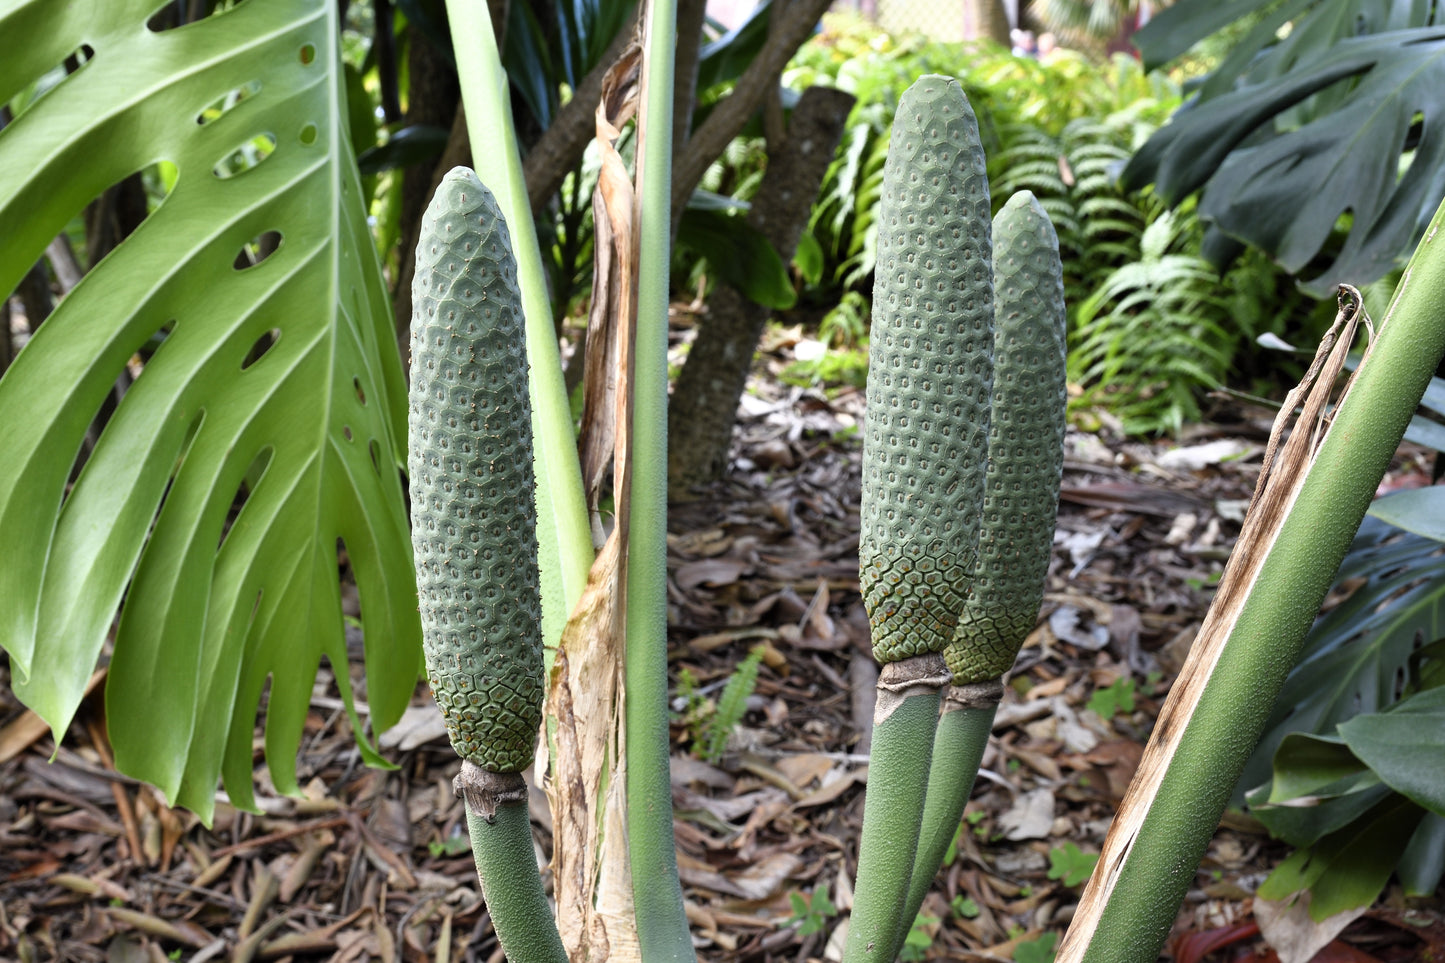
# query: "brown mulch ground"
{"type": "Point", "coordinates": [374, 865]}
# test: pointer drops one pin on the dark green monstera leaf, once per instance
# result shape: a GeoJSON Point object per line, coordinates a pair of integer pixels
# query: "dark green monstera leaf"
{"type": "Point", "coordinates": [1358, 652]}
{"type": "Point", "coordinates": [1334, 127]}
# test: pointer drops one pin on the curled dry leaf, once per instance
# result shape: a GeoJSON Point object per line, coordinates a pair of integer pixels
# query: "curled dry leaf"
{"type": "Point", "coordinates": [587, 741]}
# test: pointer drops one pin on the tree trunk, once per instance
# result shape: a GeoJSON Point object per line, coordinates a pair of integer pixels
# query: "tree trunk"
{"type": "Point", "coordinates": [704, 404]}
{"type": "Point", "coordinates": [690, 17]}
{"type": "Point", "coordinates": [432, 98]}
{"type": "Point", "coordinates": [786, 33]}
{"type": "Point", "coordinates": [986, 20]}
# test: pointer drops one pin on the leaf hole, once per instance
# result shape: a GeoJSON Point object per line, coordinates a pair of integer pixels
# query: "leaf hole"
{"type": "Point", "coordinates": [256, 250]}
{"type": "Point", "coordinates": [1409, 149]}
{"type": "Point", "coordinates": [360, 394]}
{"type": "Point", "coordinates": [52, 78]}
{"type": "Point", "coordinates": [109, 218]}
{"type": "Point", "coordinates": [106, 407]}
{"type": "Point", "coordinates": [148, 349]}
{"type": "Point", "coordinates": [245, 157]}
{"type": "Point", "coordinates": [259, 349]}
{"type": "Point", "coordinates": [178, 13]}
{"type": "Point", "coordinates": [308, 53]}
{"type": "Point", "coordinates": [255, 472]}
{"type": "Point", "coordinates": [375, 448]}
{"type": "Point", "coordinates": [346, 433]}
{"type": "Point", "coordinates": [228, 101]}
{"type": "Point", "coordinates": [351, 615]}
{"type": "Point", "coordinates": [308, 134]}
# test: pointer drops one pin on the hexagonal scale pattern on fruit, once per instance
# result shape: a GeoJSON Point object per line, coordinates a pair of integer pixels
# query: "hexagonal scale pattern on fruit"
{"type": "Point", "coordinates": [1025, 448]}
{"type": "Point", "coordinates": [472, 489]}
{"type": "Point", "coordinates": [929, 375]}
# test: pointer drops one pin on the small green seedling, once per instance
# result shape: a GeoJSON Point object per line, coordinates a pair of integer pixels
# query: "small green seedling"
{"type": "Point", "coordinates": [812, 912]}
{"type": "Point", "coordinates": [453, 845]}
{"type": "Point", "coordinates": [975, 819]}
{"type": "Point", "coordinates": [965, 906]}
{"type": "Point", "coordinates": [732, 705]}
{"type": "Point", "coordinates": [918, 940]}
{"type": "Point", "coordinates": [1070, 864]}
{"type": "Point", "coordinates": [1041, 950]}
{"type": "Point", "coordinates": [1113, 699]}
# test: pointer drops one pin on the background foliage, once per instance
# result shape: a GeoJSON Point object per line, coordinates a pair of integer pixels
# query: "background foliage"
{"type": "Point", "coordinates": [1152, 323]}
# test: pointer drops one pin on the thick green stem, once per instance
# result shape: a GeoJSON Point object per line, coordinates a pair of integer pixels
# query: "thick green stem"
{"type": "Point", "coordinates": [501, 832]}
{"type": "Point", "coordinates": [1143, 875]}
{"type": "Point", "coordinates": [564, 536]}
{"type": "Point", "coordinates": [662, 929]}
{"type": "Point", "coordinates": [903, 728]}
{"type": "Point", "coordinates": [963, 730]}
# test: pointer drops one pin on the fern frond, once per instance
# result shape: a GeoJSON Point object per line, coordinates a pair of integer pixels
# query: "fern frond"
{"type": "Point", "coordinates": [732, 705]}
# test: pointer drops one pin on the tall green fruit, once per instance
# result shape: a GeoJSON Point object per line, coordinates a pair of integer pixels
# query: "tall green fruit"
{"type": "Point", "coordinates": [930, 374]}
{"type": "Point", "coordinates": [1025, 448]}
{"type": "Point", "coordinates": [472, 486]}
{"type": "Point", "coordinates": [1025, 462]}
{"type": "Point", "coordinates": [474, 535]}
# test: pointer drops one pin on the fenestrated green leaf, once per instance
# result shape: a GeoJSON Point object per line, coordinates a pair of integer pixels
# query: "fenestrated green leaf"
{"type": "Point", "coordinates": [1356, 652]}
{"type": "Point", "coordinates": [1417, 510]}
{"type": "Point", "coordinates": [1349, 868]}
{"type": "Point", "coordinates": [1314, 26]}
{"type": "Point", "coordinates": [1286, 191]}
{"type": "Point", "coordinates": [1405, 746]}
{"type": "Point", "coordinates": [1423, 864]}
{"type": "Point", "coordinates": [315, 419]}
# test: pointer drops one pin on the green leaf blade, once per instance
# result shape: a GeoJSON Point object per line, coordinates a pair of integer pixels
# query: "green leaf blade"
{"type": "Point", "coordinates": [204, 627]}
{"type": "Point", "coordinates": [1404, 746]}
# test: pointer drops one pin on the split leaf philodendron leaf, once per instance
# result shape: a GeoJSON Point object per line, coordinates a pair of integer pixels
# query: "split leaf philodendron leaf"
{"type": "Point", "coordinates": [277, 380]}
{"type": "Point", "coordinates": [1336, 119]}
